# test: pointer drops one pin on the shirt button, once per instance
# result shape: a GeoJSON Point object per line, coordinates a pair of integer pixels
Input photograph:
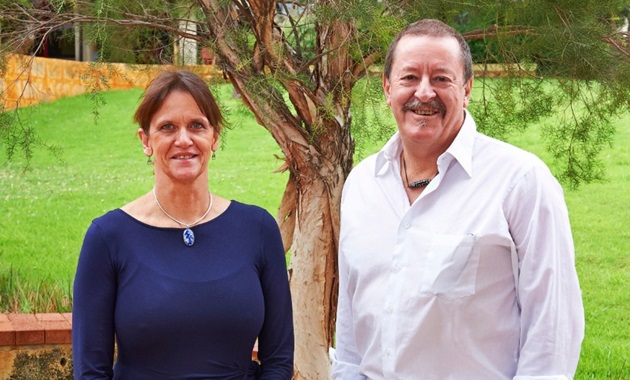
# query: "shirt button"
{"type": "Point", "coordinates": [406, 225]}
{"type": "Point", "coordinates": [389, 310]}
{"type": "Point", "coordinates": [397, 267]}
{"type": "Point", "coordinates": [387, 352]}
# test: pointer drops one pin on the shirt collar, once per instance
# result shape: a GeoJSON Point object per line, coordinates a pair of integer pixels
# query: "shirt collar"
{"type": "Point", "coordinates": [461, 149]}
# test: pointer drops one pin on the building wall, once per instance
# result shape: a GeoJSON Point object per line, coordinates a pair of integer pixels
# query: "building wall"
{"type": "Point", "coordinates": [29, 80]}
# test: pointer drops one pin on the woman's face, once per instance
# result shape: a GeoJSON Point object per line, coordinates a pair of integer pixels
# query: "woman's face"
{"type": "Point", "coordinates": [180, 138]}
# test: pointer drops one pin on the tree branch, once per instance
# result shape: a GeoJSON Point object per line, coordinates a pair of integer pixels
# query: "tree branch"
{"type": "Point", "coordinates": [495, 30]}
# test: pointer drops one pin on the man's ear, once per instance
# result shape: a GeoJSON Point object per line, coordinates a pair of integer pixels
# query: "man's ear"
{"type": "Point", "coordinates": [468, 91]}
{"type": "Point", "coordinates": [386, 88]}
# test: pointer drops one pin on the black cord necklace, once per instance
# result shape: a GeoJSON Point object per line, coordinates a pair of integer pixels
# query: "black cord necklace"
{"type": "Point", "coordinates": [415, 184]}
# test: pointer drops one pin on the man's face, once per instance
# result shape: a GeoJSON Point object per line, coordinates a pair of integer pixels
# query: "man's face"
{"type": "Point", "coordinates": [426, 90]}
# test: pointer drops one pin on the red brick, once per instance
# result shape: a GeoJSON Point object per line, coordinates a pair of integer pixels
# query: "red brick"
{"type": "Point", "coordinates": [50, 317]}
{"type": "Point", "coordinates": [28, 331]}
{"type": "Point", "coordinates": [57, 332]}
{"type": "Point", "coordinates": [22, 319]}
{"type": "Point", "coordinates": [68, 317]}
{"type": "Point", "coordinates": [7, 332]}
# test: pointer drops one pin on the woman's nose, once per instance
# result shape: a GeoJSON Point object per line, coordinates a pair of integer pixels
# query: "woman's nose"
{"type": "Point", "coordinates": [183, 137]}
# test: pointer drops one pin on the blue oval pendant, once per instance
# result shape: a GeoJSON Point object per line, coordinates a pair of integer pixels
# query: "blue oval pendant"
{"type": "Point", "coordinates": [189, 237]}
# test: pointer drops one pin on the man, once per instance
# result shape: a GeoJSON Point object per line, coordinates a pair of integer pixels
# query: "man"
{"type": "Point", "coordinates": [456, 259]}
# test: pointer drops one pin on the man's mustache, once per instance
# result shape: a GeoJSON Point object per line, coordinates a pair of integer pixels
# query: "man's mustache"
{"type": "Point", "coordinates": [415, 104]}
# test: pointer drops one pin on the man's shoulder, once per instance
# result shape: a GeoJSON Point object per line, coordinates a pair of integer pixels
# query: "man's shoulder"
{"type": "Point", "coordinates": [366, 166]}
{"type": "Point", "coordinates": [504, 151]}
{"type": "Point", "coordinates": [510, 162]}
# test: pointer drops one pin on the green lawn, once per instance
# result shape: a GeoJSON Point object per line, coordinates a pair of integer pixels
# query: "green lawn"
{"type": "Point", "coordinates": [46, 209]}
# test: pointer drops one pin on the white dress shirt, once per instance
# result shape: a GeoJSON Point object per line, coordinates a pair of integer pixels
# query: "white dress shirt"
{"type": "Point", "coordinates": [475, 280]}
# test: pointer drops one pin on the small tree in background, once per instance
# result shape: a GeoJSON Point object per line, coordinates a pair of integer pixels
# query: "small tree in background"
{"type": "Point", "coordinates": [297, 66]}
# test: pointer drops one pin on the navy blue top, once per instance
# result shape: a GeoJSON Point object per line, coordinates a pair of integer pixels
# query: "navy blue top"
{"type": "Point", "coordinates": [181, 312]}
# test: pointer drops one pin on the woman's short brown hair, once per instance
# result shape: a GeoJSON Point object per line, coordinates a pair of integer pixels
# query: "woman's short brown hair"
{"type": "Point", "coordinates": [181, 80]}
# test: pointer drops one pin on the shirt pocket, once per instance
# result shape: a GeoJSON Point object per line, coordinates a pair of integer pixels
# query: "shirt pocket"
{"type": "Point", "coordinates": [449, 265]}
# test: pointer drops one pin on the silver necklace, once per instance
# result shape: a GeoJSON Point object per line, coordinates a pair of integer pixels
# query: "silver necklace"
{"type": "Point", "coordinates": [188, 235]}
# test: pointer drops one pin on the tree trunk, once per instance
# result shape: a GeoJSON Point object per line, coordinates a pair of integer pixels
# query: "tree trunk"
{"type": "Point", "coordinates": [313, 275]}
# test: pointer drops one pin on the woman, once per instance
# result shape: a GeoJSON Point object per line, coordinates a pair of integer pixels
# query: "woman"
{"type": "Point", "coordinates": [183, 280]}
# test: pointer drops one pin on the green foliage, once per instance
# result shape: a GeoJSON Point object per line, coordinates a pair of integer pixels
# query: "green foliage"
{"type": "Point", "coordinates": [21, 139]}
{"type": "Point", "coordinates": [21, 295]}
{"type": "Point", "coordinates": [563, 37]}
{"type": "Point", "coordinates": [578, 134]}
{"type": "Point", "coordinates": [507, 106]}
{"type": "Point", "coordinates": [140, 44]}
{"type": "Point", "coordinates": [297, 23]}
{"type": "Point", "coordinates": [371, 126]}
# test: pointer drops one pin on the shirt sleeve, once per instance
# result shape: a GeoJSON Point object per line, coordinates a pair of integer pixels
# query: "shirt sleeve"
{"type": "Point", "coordinates": [276, 339]}
{"type": "Point", "coordinates": [552, 314]}
{"type": "Point", "coordinates": [93, 309]}
{"type": "Point", "coordinates": [345, 357]}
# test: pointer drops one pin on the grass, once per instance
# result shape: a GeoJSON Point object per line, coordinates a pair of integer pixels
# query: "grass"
{"type": "Point", "coordinates": [47, 209]}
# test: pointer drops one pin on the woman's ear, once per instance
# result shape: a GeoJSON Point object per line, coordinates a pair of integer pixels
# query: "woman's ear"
{"type": "Point", "coordinates": [215, 144]}
{"type": "Point", "coordinates": [144, 138]}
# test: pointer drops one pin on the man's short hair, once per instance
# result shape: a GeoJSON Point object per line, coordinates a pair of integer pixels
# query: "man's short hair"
{"type": "Point", "coordinates": [433, 28]}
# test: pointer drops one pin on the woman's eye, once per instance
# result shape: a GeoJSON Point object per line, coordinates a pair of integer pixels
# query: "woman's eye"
{"type": "Point", "coordinates": [167, 127]}
{"type": "Point", "coordinates": [198, 126]}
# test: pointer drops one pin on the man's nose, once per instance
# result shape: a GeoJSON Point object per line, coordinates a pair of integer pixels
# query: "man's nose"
{"type": "Point", "coordinates": [424, 90]}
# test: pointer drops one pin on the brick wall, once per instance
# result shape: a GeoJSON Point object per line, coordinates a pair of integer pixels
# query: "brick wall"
{"type": "Point", "coordinates": [35, 346]}
{"type": "Point", "coordinates": [27, 80]}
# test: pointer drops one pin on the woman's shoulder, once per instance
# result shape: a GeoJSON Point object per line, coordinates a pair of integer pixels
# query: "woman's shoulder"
{"type": "Point", "coordinates": [115, 218]}
{"type": "Point", "coordinates": [107, 227]}
{"type": "Point", "coordinates": [247, 209]}
{"type": "Point", "coordinates": [249, 212]}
